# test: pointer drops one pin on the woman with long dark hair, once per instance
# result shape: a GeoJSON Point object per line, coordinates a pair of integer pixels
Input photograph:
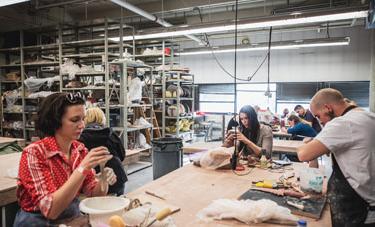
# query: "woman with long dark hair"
{"type": "Point", "coordinates": [252, 135]}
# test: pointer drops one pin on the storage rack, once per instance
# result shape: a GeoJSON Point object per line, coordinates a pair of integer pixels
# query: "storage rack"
{"type": "Point", "coordinates": [176, 78]}
{"type": "Point", "coordinates": [22, 64]}
{"type": "Point", "coordinates": [125, 106]}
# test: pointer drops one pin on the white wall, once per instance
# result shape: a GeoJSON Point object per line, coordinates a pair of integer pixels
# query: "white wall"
{"type": "Point", "coordinates": [341, 63]}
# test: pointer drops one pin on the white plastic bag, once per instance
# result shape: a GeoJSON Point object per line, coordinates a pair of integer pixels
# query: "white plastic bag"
{"type": "Point", "coordinates": [246, 211]}
{"type": "Point", "coordinates": [135, 90]}
{"type": "Point", "coordinates": [311, 179]}
{"type": "Point", "coordinates": [143, 142]}
{"type": "Point", "coordinates": [33, 84]}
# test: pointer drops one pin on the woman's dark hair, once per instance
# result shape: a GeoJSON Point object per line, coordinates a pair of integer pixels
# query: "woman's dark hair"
{"type": "Point", "coordinates": [52, 109]}
{"type": "Point", "coordinates": [294, 118]}
{"type": "Point", "coordinates": [252, 131]}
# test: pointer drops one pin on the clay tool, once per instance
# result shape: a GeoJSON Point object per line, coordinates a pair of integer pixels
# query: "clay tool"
{"type": "Point", "coordinates": [155, 195]}
{"type": "Point", "coordinates": [160, 216]}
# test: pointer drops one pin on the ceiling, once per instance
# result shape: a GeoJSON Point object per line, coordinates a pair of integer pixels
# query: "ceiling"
{"type": "Point", "coordinates": [40, 13]}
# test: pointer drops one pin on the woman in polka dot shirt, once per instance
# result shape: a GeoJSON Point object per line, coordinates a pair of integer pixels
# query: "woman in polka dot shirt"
{"type": "Point", "coordinates": [56, 169]}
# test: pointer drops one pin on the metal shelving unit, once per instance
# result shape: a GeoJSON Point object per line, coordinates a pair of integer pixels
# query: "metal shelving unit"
{"type": "Point", "coordinates": [124, 106]}
{"type": "Point", "coordinates": [31, 62]}
{"type": "Point", "coordinates": [175, 78]}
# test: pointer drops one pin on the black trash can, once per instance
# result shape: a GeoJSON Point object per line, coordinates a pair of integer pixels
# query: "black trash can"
{"type": "Point", "coordinates": [166, 155]}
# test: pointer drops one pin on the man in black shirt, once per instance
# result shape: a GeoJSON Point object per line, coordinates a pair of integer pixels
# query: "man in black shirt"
{"type": "Point", "coordinates": [308, 117]}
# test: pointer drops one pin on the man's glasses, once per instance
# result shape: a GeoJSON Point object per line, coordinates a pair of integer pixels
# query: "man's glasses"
{"type": "Point", "coordinates": [75, 97]}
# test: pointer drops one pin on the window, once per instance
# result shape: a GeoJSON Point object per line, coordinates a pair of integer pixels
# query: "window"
{"type": "Point", "coordinates": [220, 98]}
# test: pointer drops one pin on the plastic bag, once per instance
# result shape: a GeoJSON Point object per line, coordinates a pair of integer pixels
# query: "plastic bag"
{"type": "Point", "coordinates": [135, 90]}
{"type": "Point", "coordinates": [246, 211]}
{"type": "Point", "coordinates": [216, 157]}
{"type": "Point", "coordinates": [11, 98]}
{"type": "Point", "coordinates": [143, 142]}
{"type": "Point", "coordinates": [141, 122]}
{"type": "Point", "coordinates": [311, 179]}
{"type": "Point", "coordinates": [33, 84]}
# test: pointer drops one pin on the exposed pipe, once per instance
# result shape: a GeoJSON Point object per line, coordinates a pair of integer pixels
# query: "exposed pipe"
{"type": "Point", "coordinates": [151, 17]}
{"type": "Point", "coordinates": [57, 4]}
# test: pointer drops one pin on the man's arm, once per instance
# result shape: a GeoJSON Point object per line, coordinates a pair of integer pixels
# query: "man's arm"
{"type": "Point", "coordinates": [311, 150]}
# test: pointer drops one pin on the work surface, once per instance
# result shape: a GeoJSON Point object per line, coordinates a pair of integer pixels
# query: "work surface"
{"type": "Point", "coordinates": [286, 146]}
{"type": "Point", "coordinates": [192, 188]}
{"type": "Point", "coordinates": [8, 185]}
{"type": "Point", "coordinates": [279, 146]}
{"type": "Point", "coordinates": [6, 140]}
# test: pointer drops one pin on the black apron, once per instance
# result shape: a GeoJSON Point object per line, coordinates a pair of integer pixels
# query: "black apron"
{"type": "Point", "coordinates": [348, 209]}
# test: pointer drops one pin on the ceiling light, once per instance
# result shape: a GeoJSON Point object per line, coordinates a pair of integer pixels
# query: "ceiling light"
{"type": "Point", "coordinates": [11, 2]}
{"type": "Point", "coordinates": [254, 24]}
{"type": "Point", "coordinates": [275, 46]}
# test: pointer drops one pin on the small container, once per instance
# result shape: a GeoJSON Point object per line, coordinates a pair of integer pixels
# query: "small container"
{"type": "Point", "coordinates": [263, 159]}
{"type": "Point", "coordinates": [301, 223]}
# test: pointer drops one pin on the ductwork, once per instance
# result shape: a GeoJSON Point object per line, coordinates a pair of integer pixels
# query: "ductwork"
{"type": "Point", "coordinates": [151, 17]}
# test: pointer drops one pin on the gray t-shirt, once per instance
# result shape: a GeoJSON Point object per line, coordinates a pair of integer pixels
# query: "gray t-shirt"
{"type": "Point", "coordinates": [264, 140]}
{"type": "Point", "coordinates": [351, 138]}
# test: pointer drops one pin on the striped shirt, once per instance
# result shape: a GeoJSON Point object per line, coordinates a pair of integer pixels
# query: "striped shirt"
{"type": "Point", "coordinates": [44, 169]}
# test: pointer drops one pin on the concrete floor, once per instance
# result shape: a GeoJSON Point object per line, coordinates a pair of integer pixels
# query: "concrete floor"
{"type": "Point", "coordinates": [138, 179]}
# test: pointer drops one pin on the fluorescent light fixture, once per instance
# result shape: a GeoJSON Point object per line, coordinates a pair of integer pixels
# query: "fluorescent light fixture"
{"type": "Point", "coordinates": [11, 2]}
{"type": "Point", "coordinates": [277, 46]}
{"type": "Point", "coordinates": [254, 24]}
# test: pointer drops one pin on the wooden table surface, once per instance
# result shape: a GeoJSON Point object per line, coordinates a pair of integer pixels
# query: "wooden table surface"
{"type": "Point", "coordinates": [281, 134]}
{"type": "Point", "coordinates": [8, 185]}
{"type": "Point", "coordinates": [201, 146]}
{"type": "Point", "coordinates": [6, 140]}
{"type": "Point", "coordinates": [286, 146]}
{"type": "Point", "coordinates": [192, 188]}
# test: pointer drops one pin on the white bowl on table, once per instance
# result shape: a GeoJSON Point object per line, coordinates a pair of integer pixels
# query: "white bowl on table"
{"type": "Point", "coordinates": [100, 209]}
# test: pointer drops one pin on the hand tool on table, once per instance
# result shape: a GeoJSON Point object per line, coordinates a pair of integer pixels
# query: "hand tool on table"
{"type": "Point", "coordinates": [160, 216]}
{"type": "Point", "coordinates": [154, 194]}
{"type": "Point", "coordinates": [102, 176]}
{"type": "Point", "coordinates": [266, 184]}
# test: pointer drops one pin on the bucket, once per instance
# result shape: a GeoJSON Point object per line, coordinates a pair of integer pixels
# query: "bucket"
{"type": "Point", "coordinates": [166, 155]}
{"type": "Point", "coordinates": [100, 209]}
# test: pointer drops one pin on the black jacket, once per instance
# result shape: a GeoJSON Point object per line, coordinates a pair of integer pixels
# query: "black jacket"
{"type": "Point", "coordinates": [94, 136]}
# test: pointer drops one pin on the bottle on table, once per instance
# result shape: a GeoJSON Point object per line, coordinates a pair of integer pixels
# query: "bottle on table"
{"type": "Point", "coordinates": [301, 223]}
{"type": "Point", "coordinates": [263, 159]}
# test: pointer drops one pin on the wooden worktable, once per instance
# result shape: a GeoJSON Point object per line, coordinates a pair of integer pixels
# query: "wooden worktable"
{"type": "Point", "coordinates": [6, 140]}
{"type": "Point", "coordinates": [286, 146]}
{"type": "Point", "coordinates": [199, 147]}
{"type": "Point", "coordinates": [8, 185]}
{"type": "Point", "coordinates": [281, 134]}
{"type": "Point", "coordinates": [192, 188]}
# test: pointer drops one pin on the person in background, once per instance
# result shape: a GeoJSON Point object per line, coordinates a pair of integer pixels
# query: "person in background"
{"type": "Point", "coordinates": [56, 169]}
{"type": "Point", "coordinates": [298, 129]}
{"type": "Point", "coordinates": [307, 116]}
{"type": "Point", "coordinates": [285, 113]}
{"type": "Point", "coordinates": [96, 134]}
{"type": "Point", "coordinates": [348, 134]}
{"type": "Point", "coordinates": [252, 135]}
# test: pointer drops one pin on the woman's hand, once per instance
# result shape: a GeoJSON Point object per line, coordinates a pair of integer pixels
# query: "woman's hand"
{"type": "Point", "coordinates": [109, 176]}
{"type": "Point", "coordinates": [241, 137]}
{"type": "Point", "coordinates": [95, 157]}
